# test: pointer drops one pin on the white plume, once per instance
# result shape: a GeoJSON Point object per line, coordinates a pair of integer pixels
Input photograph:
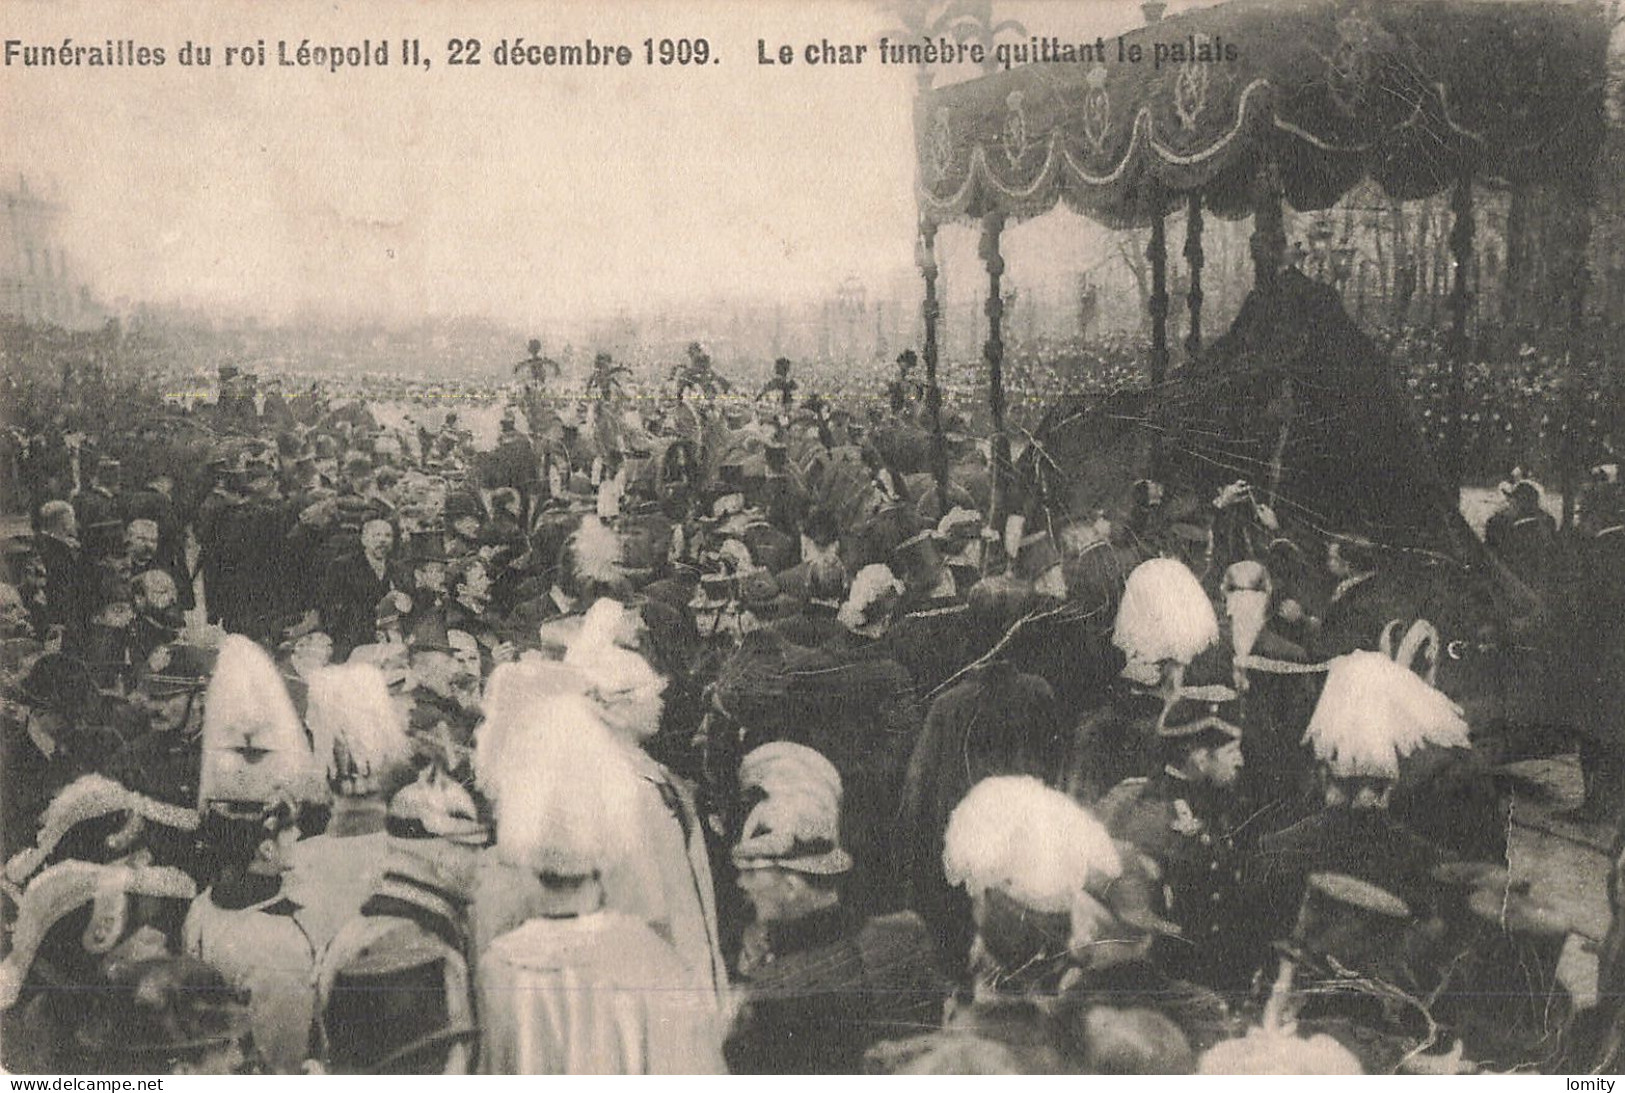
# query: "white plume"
{"type": "Point", "coordinates": [566, 793]}
{"type": "Point", "coordinates": [873, 585]}
{"type": "Point", "coordinates": [1036, 844]}
{"type": "Point", "coordinates": [350, 708]}
{"type": "Point", "coordinates": [597, 552]}
{"type": "Point", "coordinates": [512, 692]}
{"type": "Point", "coordinates": [1373, 712]}
{"type": "Point", "coordinates": [246, 706]}
{"type": "Point", "coordinates": [1164, 614]}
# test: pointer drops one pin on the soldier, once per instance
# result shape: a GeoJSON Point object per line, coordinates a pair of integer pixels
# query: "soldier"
{"type": "Point", "coordinates": [997, 720]}
{"type": "Point", "coordinates": [1184, 819]}
{"type": "Point", "coordinates": [579, 987]}
{"type": "Point", "coordinates": [248, 927]}
{"type": "Point", "coordinates": [1371, 712]}
{"type": "Point", "coordinates": [359, 737]}
{"type": "Point", "coordinates": [76, 921]}
{"type": "Point", "coordinates": [821, 983]}
{"type": "Point", "coordinates": [394, 986]}
{"type": "Point", "coordinates": [668, 879]}
{"type": "Point", "coordinates": [1524, 535]}
{"type": "Point", "coordinates": [1062, 922]}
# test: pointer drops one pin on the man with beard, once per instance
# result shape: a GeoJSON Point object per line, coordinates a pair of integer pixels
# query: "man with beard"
{"type": "Point", "coordinates": [169, 690]}
{"type": "Point", "coordinates": [467, 608]}
{"type": "Point", "coordinates": [1184, 819]}
{"type": "Point", "coordinates": [445, 693]}
{"type": "Point", "coordinates": [158, 615]}
{"type": "Point", "coordinates": [155, 502]}
{"type": "Point", "coordinates": [66, 609]}
{"type": "Point", "coordinates": [354, 586]}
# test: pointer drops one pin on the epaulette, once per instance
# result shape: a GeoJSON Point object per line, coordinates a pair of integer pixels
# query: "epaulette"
{"type": "Point", "coordinates": [1119, 797]}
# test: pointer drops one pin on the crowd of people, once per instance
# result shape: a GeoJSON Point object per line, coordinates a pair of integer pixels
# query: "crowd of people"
{"type": "Point", "coordinates": [711, 733]}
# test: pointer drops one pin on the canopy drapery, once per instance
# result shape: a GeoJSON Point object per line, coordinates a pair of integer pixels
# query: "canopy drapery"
{"type": "Point", "coordinates": [1415, 94]}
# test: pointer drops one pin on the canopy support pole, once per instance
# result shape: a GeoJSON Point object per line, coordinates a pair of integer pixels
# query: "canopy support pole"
{"type": "Point", "coordinates": [1195, 259]}
{"type": "Point", "coordinates": [993, 354]}
{"type": "Point", "coordinates": [1576, 279]}
{"type": "Point", "coordinates": [1157, 254]}
{"type": "Point", "coordinates": [1461, 253]}
{"type": "Point", "coordinates": [930, 311]}
{"type": "Point", "coordinates": [1268, 242]}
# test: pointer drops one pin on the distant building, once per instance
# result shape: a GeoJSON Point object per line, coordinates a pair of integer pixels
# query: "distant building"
{"type": "Point", "coordinates": [36, 283]}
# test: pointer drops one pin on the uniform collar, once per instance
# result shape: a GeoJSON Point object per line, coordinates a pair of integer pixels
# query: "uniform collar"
{"type": "Point", "coordinates": [810, 931]}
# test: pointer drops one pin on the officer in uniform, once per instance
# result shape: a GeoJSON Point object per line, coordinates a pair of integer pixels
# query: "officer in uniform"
{"type": "Point", "coordinates": [1184, 818]}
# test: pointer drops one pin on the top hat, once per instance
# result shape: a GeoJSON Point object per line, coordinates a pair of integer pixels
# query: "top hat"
{"type": "Point", "coordinates": [918, 555]}
{"type": "Point", "coordinates": [388, 1012]}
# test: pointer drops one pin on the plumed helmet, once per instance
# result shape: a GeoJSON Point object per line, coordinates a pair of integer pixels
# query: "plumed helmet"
{"type": "Point", "coordinates": [875, 591]}
{"type": "Point", "coordinates": [564, 792]}
{"type": "Point", "coordinates": [436, 806]}
{"type": "Point", "coordinates": [512, 694]}
{"type": "Point", "coordinates": [67, 886]}
{"type": "Point", "coordinates": [1374, 712]}
{"type": "Point", "coordinates": [356, 730]}
{"type": "Point", "coordinates": [626, 690]}
{"type": "Point", "coordinates": [1014, 834]}
{"type": "Point", "coordinates": [1164, 614]}
{"type": "Point", "coordinates": [85, 799]}
{"type": "Point", "coordinates": [254, 747]}
{"type": "Point", "coordinates": [797, 823]}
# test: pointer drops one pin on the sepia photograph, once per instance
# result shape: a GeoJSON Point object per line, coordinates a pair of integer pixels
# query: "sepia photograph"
{"type": "Point", "coordinates": [865, 537]}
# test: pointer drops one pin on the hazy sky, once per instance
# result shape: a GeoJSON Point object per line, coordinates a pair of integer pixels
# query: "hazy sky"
{"type": "Point", "coordinates": [513, 192]}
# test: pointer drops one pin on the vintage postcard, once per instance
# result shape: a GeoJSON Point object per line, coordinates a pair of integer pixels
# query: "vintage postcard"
{"type": "Point", "coordinates": [853, 537]}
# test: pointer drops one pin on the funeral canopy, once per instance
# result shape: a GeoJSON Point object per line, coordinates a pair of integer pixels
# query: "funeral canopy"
{"type": "Point", "coordinates": [1413, 94]}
